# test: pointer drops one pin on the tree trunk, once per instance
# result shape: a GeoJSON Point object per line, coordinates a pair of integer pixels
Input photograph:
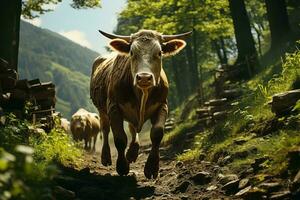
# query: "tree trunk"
{"type": "Point", "coordinates": [180, 89]}
{"type": "Point", "coordinates": [247, 60]}
{"type": "Point", "coordinates": [10, 11]}
{"type": "Point", "coordinates": [278, 22]}
{"type": "Point", "coordinates": [223, 47]}
{"type": "Point", "coordinates": [193, 71]}
{"type": "Point", "coordinates": [219, 47]}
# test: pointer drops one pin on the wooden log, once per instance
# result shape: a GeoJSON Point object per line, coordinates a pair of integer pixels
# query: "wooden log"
{"type": "Point", "coordinates": [42, 86]}
{"type": "Point", "coordinates": [202, 110]}
{"type": "Point", "coordinates": [218, 102]}
{"type": "Point", "coordinates": [7, 83]}
{"type": "Point", "coordinates": [168, 128]}
{"type": "Point", "coordinates": [206, 104]}
{"type": "Point", "coordinates": [19, 94]}
{"type": "Point", "coordinates": [205, 120]}
{"type": "Point", "coordinates": [3, 65]}
{"type": "Point", "coordinates": [43, 113]}
{"type": "Point", "coordinates": [4, 98]}
{"type": "Point", "coordinates": [8, 79]}
{"type": "Point", "coordinates": [23, 84]}
{"type": "Point", "coordinates": [203, 115]}
{"type": "Point", "coordinates": [231, 94]}
{"type": "Point", "coordinates": [34, 82]}
{"type": "Point", "coordinates": [169, 123]}
{"type": "Point", "coordinates": [43, 94]}
{"type": "Point", "coordinates": [213, 109]}
{"type": "Point", "coordinates": [45, 103]}
{"type": "Point", "coordinates": [9, 73]}
{"type": "Point", "coordinates": [220, 115]}
{"type": "Point", "coordinates": [283, 103]}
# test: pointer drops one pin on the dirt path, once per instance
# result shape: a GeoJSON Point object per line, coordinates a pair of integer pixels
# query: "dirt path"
{"type": "Point", "coordinates": [176, 180]}
{"type": "Point", "coordinates": [198, 179]}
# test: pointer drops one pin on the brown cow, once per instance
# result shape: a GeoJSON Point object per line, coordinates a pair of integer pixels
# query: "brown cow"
{"type": "Point", "coordinates": [131, 85]}
{"type": "Point", "coordinates": [85, 126]}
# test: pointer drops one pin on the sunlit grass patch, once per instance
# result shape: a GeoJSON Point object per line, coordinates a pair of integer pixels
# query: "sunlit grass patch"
{"type": "Point", "coordinates": [275, 147]}
{"type": "Point", "coordinates": [189, 155]}
{"type": "Point", "coordinates": [180, 129]}
{"type": "Point", "coordinates": [57, 146]}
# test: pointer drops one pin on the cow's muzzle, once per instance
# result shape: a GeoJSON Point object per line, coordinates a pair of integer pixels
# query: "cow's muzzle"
{"type": "Point", "coordinates": [144, 80]}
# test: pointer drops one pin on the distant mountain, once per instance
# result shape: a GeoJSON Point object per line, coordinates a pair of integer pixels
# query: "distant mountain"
{"type": "Point", "coordinates": [49, 56]}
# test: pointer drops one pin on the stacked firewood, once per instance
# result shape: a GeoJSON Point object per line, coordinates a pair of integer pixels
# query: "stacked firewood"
{"type": "Point", "coordinates": [214, 110]}
{"type": "Point", "coordinates": [15, 94]}
{"type": "Point", "coordinates": [170, 124]}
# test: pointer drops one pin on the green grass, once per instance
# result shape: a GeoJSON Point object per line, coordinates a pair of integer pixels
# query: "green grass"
{"type": "Point", "coordinates": [252, 113]}
{"type": "Point", "coordinates": [57, 146]}
{"type": "Point", "coordinates": [28, 158]}
{"type": "Point", "coordinates": [178, 131]}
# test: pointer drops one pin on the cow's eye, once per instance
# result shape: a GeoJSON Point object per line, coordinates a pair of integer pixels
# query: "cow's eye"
{"type": "Point", "coordinates": [131, 53]}
{"type": "Point", "coordinates": [159, 54]}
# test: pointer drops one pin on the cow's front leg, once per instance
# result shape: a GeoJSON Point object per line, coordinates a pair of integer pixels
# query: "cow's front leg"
{"type": "Point", "coordinates": [120, 138]}
{"type": "Point", "coordinates": [133, 150]}
{"type": "Point", "coordinates": [156, 134]}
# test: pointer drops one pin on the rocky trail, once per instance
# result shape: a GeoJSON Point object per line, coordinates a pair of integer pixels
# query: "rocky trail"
{"type": "Point", "coordinates": [177, 180]}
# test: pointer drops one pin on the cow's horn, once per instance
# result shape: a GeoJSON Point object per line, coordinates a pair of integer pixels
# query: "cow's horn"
{"type": "Point", "coordinates": [113, 36]}
{"type": "Point", "coordinates": [167, 38]}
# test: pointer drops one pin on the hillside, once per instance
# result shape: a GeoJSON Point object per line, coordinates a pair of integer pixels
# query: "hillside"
{"type": "Point", "coordinates": [51, 57]}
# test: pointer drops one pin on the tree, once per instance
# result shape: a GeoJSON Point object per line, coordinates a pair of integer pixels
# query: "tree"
{"type": "Point", "coordinates": [258, 20]}
{"type": "Point", "coordinates": [31, 9]}
{"type": "Point", "coordinates": [278, 22]}
{"type": "Point", "coordinates": [10, 22]}
{"type": "Point", "coordinates": [9, 35]}
{"type": "Point", "coordinates": [247, 57]}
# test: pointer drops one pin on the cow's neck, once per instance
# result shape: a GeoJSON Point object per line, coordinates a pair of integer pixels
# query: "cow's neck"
{"type": "Point", "coordinates": [145, 94]}
{"type": "Point", "coordinates": [142, 98]}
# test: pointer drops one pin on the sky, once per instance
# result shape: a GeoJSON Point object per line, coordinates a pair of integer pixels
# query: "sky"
{"type": "Point", "coordinates": [82, 25]}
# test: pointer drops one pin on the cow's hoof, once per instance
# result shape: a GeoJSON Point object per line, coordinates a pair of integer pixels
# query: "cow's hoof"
{"type": "Point", "coordinates": [152, 166]}
{"type": "Point", "coordinates": [122, 166]}
{"type": "Point", "coordinates": [132, 152]}
{"type": "Point", "coordinates": [106, 158]}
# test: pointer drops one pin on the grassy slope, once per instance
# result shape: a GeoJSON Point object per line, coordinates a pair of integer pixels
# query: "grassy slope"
{"type": "Point", "coordinates": [50, 57]}
{"type": "Point", "coordinates": [263, 134]}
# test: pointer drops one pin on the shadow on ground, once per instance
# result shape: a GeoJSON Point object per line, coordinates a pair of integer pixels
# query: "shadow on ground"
{"type": "Point", "coordinates": [92, 186]}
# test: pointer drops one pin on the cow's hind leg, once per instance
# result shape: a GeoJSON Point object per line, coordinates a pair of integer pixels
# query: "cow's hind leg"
{"type": "Point", "coordinates": [94, 142]}
{"type": "Point", "coordinates": [120, 138]}
{"type": "Point", "coordinates": [156, 134]}
{"type": "Point", "coordinates": [105, 153]}
{"type": "Point", "coordinates": [133, 151]}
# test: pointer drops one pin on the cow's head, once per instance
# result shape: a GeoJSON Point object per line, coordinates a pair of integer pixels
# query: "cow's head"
{"type": "Point", "coordinates": [146, 49]}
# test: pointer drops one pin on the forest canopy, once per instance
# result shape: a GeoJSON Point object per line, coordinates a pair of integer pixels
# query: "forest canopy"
{"type": "Point", "coordinates": [34, 8]}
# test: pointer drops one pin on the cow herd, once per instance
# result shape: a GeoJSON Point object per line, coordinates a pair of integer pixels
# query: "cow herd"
{"type": "Point", "coordinates": [129, 85]}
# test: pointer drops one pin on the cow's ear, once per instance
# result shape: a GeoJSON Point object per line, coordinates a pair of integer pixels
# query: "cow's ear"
{"type": "Point", "coordinates": [120, 46]}
{"type": "Point", "coordinates": [172, 47]}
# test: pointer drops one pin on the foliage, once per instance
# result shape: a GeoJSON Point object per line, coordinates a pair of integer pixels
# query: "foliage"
{"type": "Point", "coordinates": [250, 122]}
{"type": "Point", "coordinates": [14, 132]}
{"type": "Point", "coordinates": [27, 155]}
{"type": "Point", "coordinates": [34, 8]}
{"type": "Point", "coordinates": [57, 146]}
{"type": "Point", "coordinates": [288, 78]}
{"type": "Point", "coordinates": [59, 60]}
{"type": "Point", "coordinates": [19, 176]}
